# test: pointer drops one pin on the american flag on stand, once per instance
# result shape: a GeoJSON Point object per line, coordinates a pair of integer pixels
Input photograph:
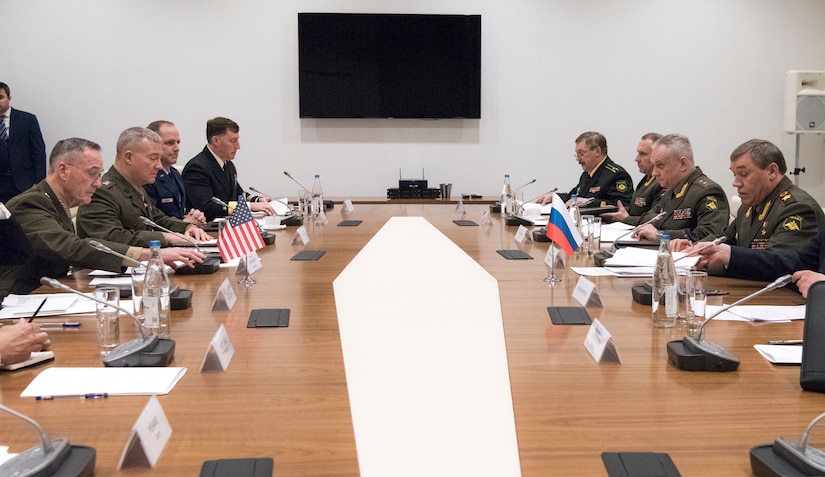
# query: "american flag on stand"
{"type": "Point", "coordinates": [240, 235]}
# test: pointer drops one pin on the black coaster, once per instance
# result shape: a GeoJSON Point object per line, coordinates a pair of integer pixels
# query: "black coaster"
{"type": "Point", "coordinates": [465, 223]}
{"type": "Point", "coordinates": [268, 318]}
{"type": "Point", "coordinates": [514, 255]}
{"type": "Point", "coordinates": [309, 255]}
{"type": "Point", "coordinates": [350, 223]}
{"type": "Point", "coordinates": [569, 315]}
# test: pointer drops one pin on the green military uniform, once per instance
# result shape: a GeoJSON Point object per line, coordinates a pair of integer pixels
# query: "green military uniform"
{"type": "Point", "coordinates": [609, 184]}
{"type": "Point", "coordinates": [115, 210]}
{"type": "Point", "coordinates": [696, 205]}
{"type": "Point", "coordinates": [49, 228]}
{"type": "Point", "coordinates": [787, 219]}
{"type": "Point", "coordinates": [647, 195]}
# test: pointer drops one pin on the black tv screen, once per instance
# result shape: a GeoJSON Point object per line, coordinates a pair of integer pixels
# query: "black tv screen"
{"type": "Point", "coordinates": [389, 65]}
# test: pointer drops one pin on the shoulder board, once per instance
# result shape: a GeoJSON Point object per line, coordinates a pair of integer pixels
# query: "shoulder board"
{"type": "Point", "coordinates": [786, 197]}
{"type": "Point", "coordinates": [611, 168]}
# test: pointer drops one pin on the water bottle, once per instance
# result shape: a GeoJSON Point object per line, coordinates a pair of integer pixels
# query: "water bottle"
{"type": "Point", "coordinates": [575, 215]}
{"type": "Point", "coordinates": [156, 294]}
{"type": "Point", "coordinates": [317, 196]}
{"type": "Point", "coordinates": [506, 196]}
{"type": "Point", "coordinates": [665, 298]}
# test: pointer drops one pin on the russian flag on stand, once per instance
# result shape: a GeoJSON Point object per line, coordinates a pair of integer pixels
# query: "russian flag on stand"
{"type": "Point", "coordinates": [561, 229]}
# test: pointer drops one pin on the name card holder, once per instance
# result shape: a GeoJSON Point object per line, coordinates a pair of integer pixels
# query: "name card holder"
{"type": "Point", "coordinates": [149, 436]}
{"type": "Point", "coordinates": [301, 236]}
{"type": "Point", "coordinates": [219, 352]}
{"type": "Point", "coordinates": [586, 293]}
{"type": "Point", "coordinates": [322, 217]}
{"type": "Point", "coordinates": [249, 264]}
{"type": "Point", "coordinates": [485, 218]}
{"type": "Point", "coordinates": [225, 298]}
{"type": "Point", "coordinates": [459, 208]}
{"type": "Point", "coordinates": [553, 258]}
{"type": "Point", "coordinates": [523, 235]}
{"type": "Point", "coordinates": [599, 343]}
{"type": "Point", "coordinates": [347, 208]}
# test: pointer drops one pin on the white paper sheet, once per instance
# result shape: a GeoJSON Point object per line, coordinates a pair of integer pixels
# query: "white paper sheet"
{"type": "Point", "coordinates": [770, 313]}
{"type": "Point", "coordinates": [780, 354]}
{"type": "Point", "coordinates": [57, 382]}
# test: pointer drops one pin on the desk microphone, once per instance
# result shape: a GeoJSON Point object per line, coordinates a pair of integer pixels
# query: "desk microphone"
{"type": "Point", "coordinates": [523, 186]}
{"type": "Point", "coordinates": [220, 202]}
{"type": "Point", "coordinates": [553, 191]}
{"type": "Point", "coordinates": [806, 459]}
{"type": "Point", "coordinates": [150, 223]}
{"type": "Point", "coordinates": [100, 247]}
{"type": "Point", "coordinates": [51, 457]}
{"type": "Point", "coordinates": [295, 181]}
{"type": "Point", "coordinates": [147, 350]}
{"type": "Point", "coordinates": [695, 354]}
{"type": "Point", "coordinates": [602, 255]}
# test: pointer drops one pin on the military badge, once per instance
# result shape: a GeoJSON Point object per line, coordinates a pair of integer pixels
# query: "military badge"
{"type": "Point", "coordinates": [621, 186]}
{"type": "Point", "coordinates": [682, 214]}
{"type": "Point", "coordinates": [710, 203]}
{"type": "Point", "coordinates": [793, 223]}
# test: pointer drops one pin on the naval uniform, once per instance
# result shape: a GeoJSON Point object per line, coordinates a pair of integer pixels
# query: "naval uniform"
{"type": "Point", "coordinates": [609, 184]}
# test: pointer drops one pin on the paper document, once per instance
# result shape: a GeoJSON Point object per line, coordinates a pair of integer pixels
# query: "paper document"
{"type": "Point", "coordinates": [780, 354]}
{"type": "Point", "coordinates": [54, 382]}
{"type": "Point", "coordinates": [771, 313]}
{"type": "Point", "coordinates": [78, 305]}
{"type": "Point", "coordinates": [614, 230]}
{"type": "Point", "coordinates": [645, 257]}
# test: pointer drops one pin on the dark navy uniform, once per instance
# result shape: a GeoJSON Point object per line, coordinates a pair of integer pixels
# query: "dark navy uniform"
{"type": "Point", "coordinates": [647, 195]}
{"type": "Point", "coordinates": [609, 184]}
{"type": "Point", "coordinates": [168, 193]}
{"type": "Point", "coordinates": [696, 206]}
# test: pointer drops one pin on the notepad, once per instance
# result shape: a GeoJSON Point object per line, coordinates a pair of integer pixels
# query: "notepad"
{"type": "Point", "coordinates": [780, 354]}
{"type": "Point", "coordinates": [56, 382]}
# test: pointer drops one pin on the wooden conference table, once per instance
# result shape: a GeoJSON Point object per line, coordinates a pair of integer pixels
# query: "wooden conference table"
{"type": "Point", "coordinates": [284, 394]}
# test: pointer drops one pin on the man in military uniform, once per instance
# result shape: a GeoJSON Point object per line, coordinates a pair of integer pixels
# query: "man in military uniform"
{"type": "Point", "coordinates": [116, 208]}
{"type": "Point", "coordinates": [775, 214]}
{"type": "Point", "coordinates": [696, 207]}
{"type": "Point", "coordinates": [603, 180]}
{"type": "Point", "coordinates": [75, 167]}
{"type": "Point", "coordinates": [648, 191]}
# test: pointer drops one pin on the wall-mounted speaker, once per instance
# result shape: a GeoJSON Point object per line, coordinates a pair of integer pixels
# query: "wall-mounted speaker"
{"type": "Point", "coordinates": [804, 102]}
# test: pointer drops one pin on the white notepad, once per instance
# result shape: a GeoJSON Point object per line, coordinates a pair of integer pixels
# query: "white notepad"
{"type": "Point", "coordinates": [56, 381]}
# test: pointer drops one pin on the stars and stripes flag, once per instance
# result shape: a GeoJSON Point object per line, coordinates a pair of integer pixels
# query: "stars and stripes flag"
{"type": "Point", "coordinates": [561, 229]}
{"type": "Point", "coordinates": [240, 234]}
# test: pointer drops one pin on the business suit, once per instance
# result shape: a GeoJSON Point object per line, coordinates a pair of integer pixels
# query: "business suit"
{"type": "Point", "coordinates": [56, 245]}
{"type": "Point", "coordinates": [696, 205]}
{"type": "Point", "coordinates": [23, 156]}
{"type": "Point", "coordinates": [203, 179]}
{"type": "Point", "coordinates": [115, 210]}
{"type": "Point", "coordinates": [16, 247]}
{"type": "Point", "coordinates": [168, 193]}
{"type": "Point", "coordinates": [609, 184]}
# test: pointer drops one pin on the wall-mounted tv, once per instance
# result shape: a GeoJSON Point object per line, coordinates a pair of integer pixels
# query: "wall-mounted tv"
{"type": "Point", "coordinates": [389, 65]}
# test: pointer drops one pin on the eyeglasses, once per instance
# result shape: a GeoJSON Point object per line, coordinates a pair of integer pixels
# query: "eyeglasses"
{"type": "Point", "coordinates": [94, 173]}
{"type": "Point", "coordinates": [581, 152]}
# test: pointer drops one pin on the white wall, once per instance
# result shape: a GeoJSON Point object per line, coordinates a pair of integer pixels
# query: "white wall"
{"type": "Point", "coordinates": [711, 69]}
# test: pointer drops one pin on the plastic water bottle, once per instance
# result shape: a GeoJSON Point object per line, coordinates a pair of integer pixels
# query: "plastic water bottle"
{"type": "Point", "coordinates": [665, 298]}
{"type": "Point", "coordinates": [317, 196]}
{"type": "Point", "coordinates": [575, 215]}
{"type": "Point", "coordinates": [506, 196]}
{"type": "Point", "coordinates": [156, 294]}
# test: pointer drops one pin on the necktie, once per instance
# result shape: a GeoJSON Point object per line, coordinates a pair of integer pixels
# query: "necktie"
{"type": "Point", "coordinates": [4, 133]}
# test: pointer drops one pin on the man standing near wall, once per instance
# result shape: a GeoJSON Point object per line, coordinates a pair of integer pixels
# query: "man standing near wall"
{"type": "Point", "coordinates": [22, 151]}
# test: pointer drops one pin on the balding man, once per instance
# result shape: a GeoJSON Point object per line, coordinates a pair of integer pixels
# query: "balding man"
{"type": "Point", "coordinates": [696, 207]}
{"type": "Point", "coordinates": [116, 208]}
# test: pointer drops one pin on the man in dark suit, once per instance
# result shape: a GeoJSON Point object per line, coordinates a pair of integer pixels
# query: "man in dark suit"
{"type": "Point", "coordinates": [22, 151]}
{"type": "Point", "coordinates": [167, 193]}
{"type": "Point", "coordinates": [16, 247]}
{"type": "Point", "coordinates": [212, 173]}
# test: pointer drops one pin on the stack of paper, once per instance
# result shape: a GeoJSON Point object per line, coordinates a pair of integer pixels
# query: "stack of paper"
{"type": "Point", "coordinates": [18, 306]}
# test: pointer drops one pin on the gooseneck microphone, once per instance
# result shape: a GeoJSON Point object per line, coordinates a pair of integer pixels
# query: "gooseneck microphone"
{"type": "Point", "coordinates": [615, 243]}
{"type": "Point", "coordinates": [552, 191]}
{"type": "Point", "coordinates": [102, 248]}
{"type": "Point", "coordinates": [51, 457]}
{"type": "Point", "coordinates": [220, 202]}
{"type": "Point", "coordinates": [150, 223]}
{"type": "Point", "coordinates": [695, 354]}
{"type": "Point", "coordinates": [806, 459]}
{"type": "Point", "coordinates": [295, 181]}
{"type": "Point", "coordinates": [523, 186]}
{"type": "Point", "coordinates": [147, 350]}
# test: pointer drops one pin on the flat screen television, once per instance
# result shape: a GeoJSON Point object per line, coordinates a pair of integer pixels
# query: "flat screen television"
{"type": "Point", "coordinates": [389, 65]}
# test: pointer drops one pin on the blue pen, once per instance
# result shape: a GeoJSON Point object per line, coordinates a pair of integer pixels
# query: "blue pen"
{"type": "Point", "coordinates": [95, 395]}
{"type": "Point", "coordinates": [66, 324]}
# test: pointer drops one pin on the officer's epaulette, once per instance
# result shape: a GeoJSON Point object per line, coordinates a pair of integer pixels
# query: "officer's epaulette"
{"type": "Point", "coordinates": [611, 168]}
{"type": "Point", "coordinates": [786, 197]}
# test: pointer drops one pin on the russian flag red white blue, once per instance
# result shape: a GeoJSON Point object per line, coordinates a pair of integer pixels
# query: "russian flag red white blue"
{"type": "Point", "coordinates": [561, 229]}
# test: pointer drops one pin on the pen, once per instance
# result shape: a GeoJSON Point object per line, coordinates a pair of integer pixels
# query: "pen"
{"type": "Point", "coordinates": [38, 309]}
{"type": "Point", "coordinates": [81, 396]}
{"type": "Point", "coordinates": [67, 324]}
{"type": "Point", "coordinates": [716, 241]}
{"type": "Point", "coordinates": [785, 342]}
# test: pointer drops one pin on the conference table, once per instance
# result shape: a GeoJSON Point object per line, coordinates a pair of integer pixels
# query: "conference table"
{"type": "Point", "coordinates": [284, 394]}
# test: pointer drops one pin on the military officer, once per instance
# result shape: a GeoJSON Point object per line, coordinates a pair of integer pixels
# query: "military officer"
{"type": "Point", "coordinates": [648, 191]}
{"type": "Point", "coordinates": [116, 207]}
{"type": "Point", "coordinates": [75, 167]}
{"type": "Point", "coordinates": [602, 179]}
{"type": "Point", "coordinates": [696, 207]}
